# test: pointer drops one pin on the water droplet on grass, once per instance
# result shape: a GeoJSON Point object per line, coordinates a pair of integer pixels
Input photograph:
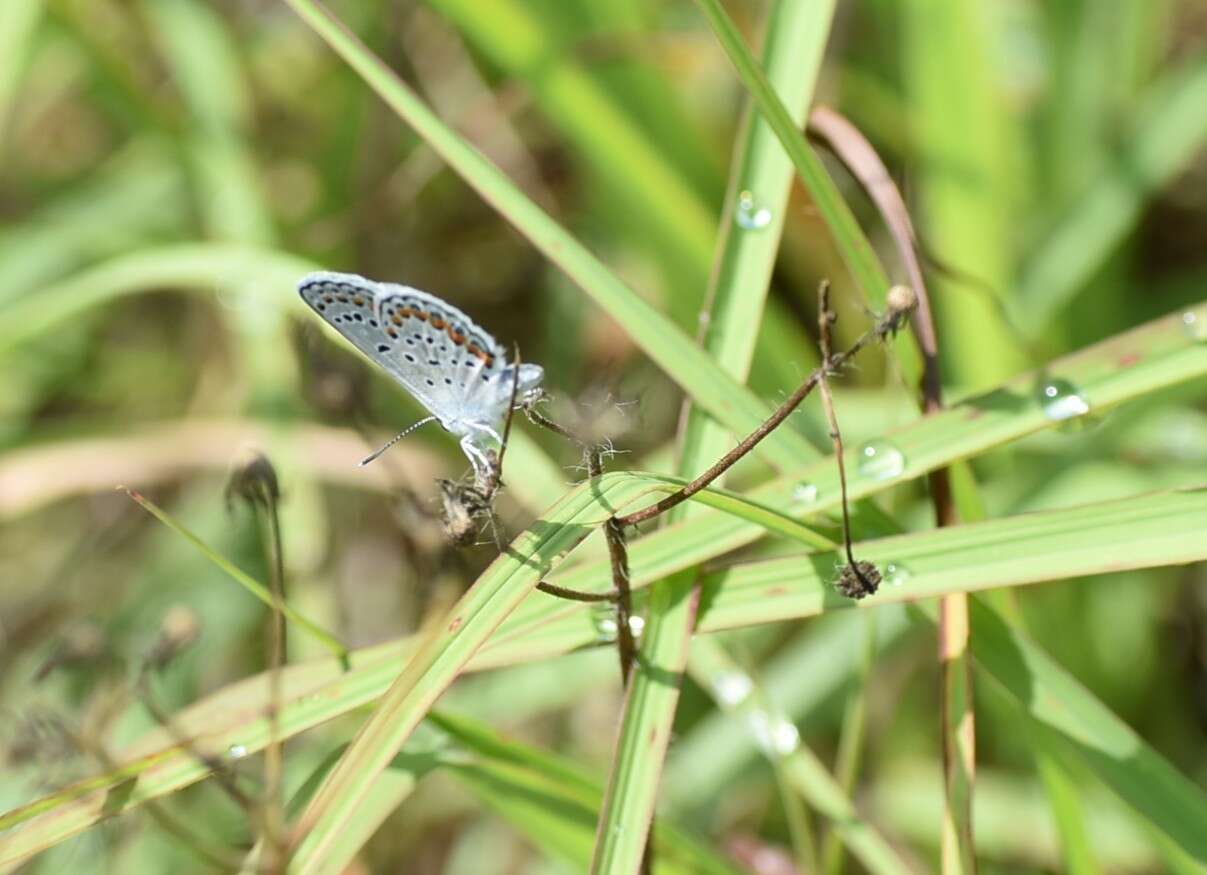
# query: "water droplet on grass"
{"type": "Point", "coordinates": [896, 573]}
{"type": "Point", "coordinates": [749, 215]}
{"type": "Point", "coordinates": [1194, 326]}
{"type": "Point", "coordinates": [1061, 401]}
{"type": "Point", "coordinates": [880, 460]}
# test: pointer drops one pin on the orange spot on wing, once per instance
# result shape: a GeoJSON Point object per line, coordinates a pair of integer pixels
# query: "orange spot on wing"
{"type": "Point", "coordinates": [456, 336]}
{"type": "Point", "coordinates": [437, 322]}
{"type": "Point", "coordinates": [396, 319]}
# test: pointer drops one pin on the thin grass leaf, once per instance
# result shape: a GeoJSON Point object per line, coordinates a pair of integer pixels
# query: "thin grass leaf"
{"type": "Point", "coordinates": [197, 267]}
{"type": "Point", "coordinates": [434, 666]}
{"type": "Point", "coordinates": [683, 361]}
{"type": "Point", "coordinates": [552, 802]}
{"type": "Point", "coordinates": [204, 60]}
{"type": "Point", "coordinates": [1169, 129]}
{"type": "Point", "coordinates": [241, 577]}
{"type": "Point", "coordinates": [1081, 726]}
{"type": "Point", "coordinates": [1148, 359]}
{"type": "Point", "coordinates": [662, 209]}
{"type": "Point", "coordinates": [1064, 796]}
{"type": "Point", "coordinates": [760, 181]}
{"type": "Point", "coordinates": [18, 21]}
{"type": "Point", "coordinates": [800, 768]}
{"type": "Point", "coordinates": [852, 244]}
{"type": "Point", "coordinates": [1146, 531]}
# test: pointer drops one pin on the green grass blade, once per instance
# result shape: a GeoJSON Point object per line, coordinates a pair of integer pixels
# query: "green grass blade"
{"type": "Point", "coordinates": [681, 359]}
{"type": "Point", "coordinates": [1136, 532]}
{"type": "Point", "coordinates": [852, 244]}
{"type": "Point", "coordinates": [663, 209]}
{"type": "Point", "coordinates": [429, 672]}
{"type": "Point", "coordinates": [1132, 365]}
{"type": "Point", "coordinates": [796, 38]}
{"type": "Point", "coordinates": [818, 663]}
{"type": "Point", "coordinates": [241, 577]}
{"type": "Point", "coordinates": [18, 21]}
{"type": "Point", "coordinates": [1169, 130]}
{"type": "Point", "coordinates": [1063, 795]}
{"type": "Point", "coordinates": [1080, 725]}
{"type": "Point", "coordinates": [967, 182]}
{"type": "Point", "coordinates": [554, 803]}
{"type": "Point", "coordinates": [198, 267]}
{"type": "Point", "coordinates": [204, 61]}
{"type": "Point", "coordinates": [1145, 531]}
{"type": "Point", "coordinates": [800, 767]}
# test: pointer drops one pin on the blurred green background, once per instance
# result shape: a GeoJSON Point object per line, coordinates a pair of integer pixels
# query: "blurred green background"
{"type": "Point", "coordinates": [169, 168]}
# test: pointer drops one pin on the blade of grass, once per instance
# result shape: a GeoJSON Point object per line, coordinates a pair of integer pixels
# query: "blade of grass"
{"type": "Point", "coordinates": [467, 626]}
{"type": "Point", "coordinates": [683, 361]}
{"type": "Point", "coordinates": [1132, 365]}
{"type": "Point", "coordinates": [966, 180]}
{"type": "Point", "coordinates": [552, 801]}
{"type": "Point", "coordinates": [852, 244]}
{"type": "Point", "coordinates": [137, 193]}
{"type": "Point", "coordinates": [204, 61]}
{"type": "Point", "coordinates": [801, 769]}
{"type": "Point", "coordinates": [800, 586]}
{"type": "Point", "coordinates": [795, 40]}
{"type": "Point", "coordinates": [1148, 531]}
{"type": "Point", "coordinates": [674, 220]}
{"type": "Point", "coordinates": [815, 666]}
{"type": "Point", "coordinates": [18, 21]}
{"type": "Point", "coordinates": [1063, 796]}
{"type": "Point", "coordinates": [202, 267]}
{"type": "Point", "coordinates": [241, 577]}
{"type": "Point", "coordinates": [1170, 127]}
{"type": "Point", "coordinates": [1077, 723]}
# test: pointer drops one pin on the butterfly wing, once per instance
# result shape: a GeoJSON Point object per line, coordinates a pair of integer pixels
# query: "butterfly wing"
{"type": "Point", "coordinates": [433, 349]}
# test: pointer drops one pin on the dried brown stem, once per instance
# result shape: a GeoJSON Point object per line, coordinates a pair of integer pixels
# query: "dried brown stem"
{"type": "Point", "coordinates": [959, 737]}
{"type": "Point", "coordinates": [618, 555]}
{"type": "Point", "coordinates": [887, 324]}
{"type": "Point", "coordinates": [575, 595]}
{"type": "Point", "coordinates": [867, 580]}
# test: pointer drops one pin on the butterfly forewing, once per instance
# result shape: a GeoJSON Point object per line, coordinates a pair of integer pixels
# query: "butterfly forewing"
{"type": "Point", "coordinates": [433, 349]}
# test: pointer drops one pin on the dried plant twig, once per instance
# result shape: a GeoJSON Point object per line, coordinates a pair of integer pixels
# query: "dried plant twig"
{"type": "Point", "coordinates": [958, 719]}
{"type": "Point", "coordinates": [900, 303]}
{"type": "Point", "coordinates": [857, 579]}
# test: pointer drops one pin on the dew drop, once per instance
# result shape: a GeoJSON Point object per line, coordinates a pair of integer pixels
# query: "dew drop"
{"type": "Point", "coordinates": [1194, 326]}
{"type": "Point", "coordinates": [636, 626]}
{"type": "Point", "coordinates": [880, 460]}
{"type": "Point", "coordinates": [896, 573]}
{"type": "Point", "coordinates": [731, 688]}
{"type": "Point", "coordinates": [804, 493]}
{"type": "Point", "coordinates": [236, 751]}
{"type": "Point", "coordinates": [774, 735]}
{"type": "Point", "coordinates": [749, 215]}
{"type": "Point", "coordinates": [1061, 401]}
{"type": "Point", "coordinates": [603, 620]}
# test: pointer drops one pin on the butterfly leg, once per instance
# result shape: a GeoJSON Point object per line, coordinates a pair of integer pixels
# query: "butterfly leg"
{"type": "Point", "coordinates": [477, 457]}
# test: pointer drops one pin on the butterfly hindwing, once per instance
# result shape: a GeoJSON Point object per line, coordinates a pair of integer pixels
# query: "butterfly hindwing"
{"type": "Point", "coordinates": [435, 351]}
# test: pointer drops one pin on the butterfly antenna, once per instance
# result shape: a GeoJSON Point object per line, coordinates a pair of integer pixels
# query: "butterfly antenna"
{"type": "Point", "coordinates": [396, 439]}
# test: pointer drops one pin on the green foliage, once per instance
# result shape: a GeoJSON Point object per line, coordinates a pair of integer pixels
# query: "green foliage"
{"type": "Point", "coordinates": [554, 167]}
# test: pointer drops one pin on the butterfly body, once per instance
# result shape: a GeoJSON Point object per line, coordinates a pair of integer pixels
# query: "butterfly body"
{"type": "Point", "coordinates": [449, 364]}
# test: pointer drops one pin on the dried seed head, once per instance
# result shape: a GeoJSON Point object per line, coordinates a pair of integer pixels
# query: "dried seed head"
{"type": "Point", "coordinates": [254, 480]}
{"type": "Point", "coordinates": [858, 580]}
{"type": "Point", "coordinates": [461, 508]}
{"type": "Point", "coordinates": [901, 299]}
